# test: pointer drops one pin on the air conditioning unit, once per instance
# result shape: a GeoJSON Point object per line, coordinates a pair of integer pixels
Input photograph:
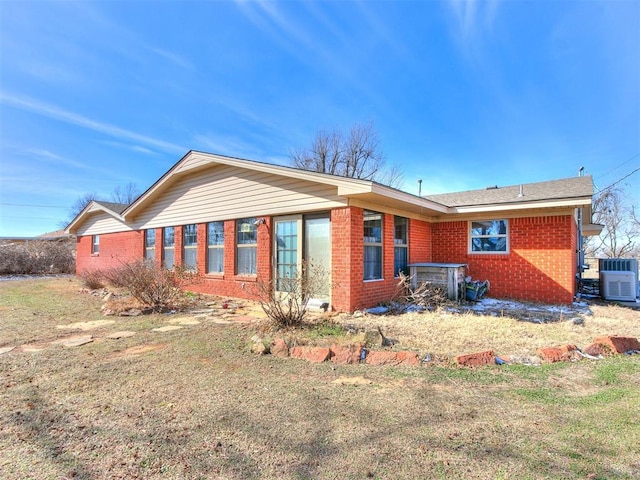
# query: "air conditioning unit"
{"type": "Point", "coordinates": [618, 286]}
{"type": "Point", "coordinates": [621, 265]}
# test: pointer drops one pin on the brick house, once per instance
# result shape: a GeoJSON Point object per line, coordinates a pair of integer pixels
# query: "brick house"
{"type": "Point", "coordinates": [236, 221]}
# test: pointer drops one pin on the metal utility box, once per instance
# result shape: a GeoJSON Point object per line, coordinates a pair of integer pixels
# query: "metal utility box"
{"type": "Point", "coordinates": [621, 265]}
{"type": "Point", "coordinates": [618, 286]}
{"type": "Point", "coordinates": [447, 275]}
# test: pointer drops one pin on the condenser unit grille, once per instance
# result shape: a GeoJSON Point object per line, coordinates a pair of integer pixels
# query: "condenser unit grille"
{"type": "Point", "coordinates": [618, 286]}
{"type": "Point", "coordinates": [621, 265]}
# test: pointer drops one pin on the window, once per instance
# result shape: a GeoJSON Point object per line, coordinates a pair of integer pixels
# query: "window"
{"type": "Point", "coordinates": [372, 245]}
{"type": "Point", "coordinates": [189, 246]}
{"type": "Point", "coordinates": [150, 244]}
{"type": "Point", "coordinates": [246, 243]}
{"type": "Point", "coordinates": [489, 236]}
{"type": "Point", "coordinates": [400, 245]}
{"type": "Point", "coordinates": [168, 243]}
{"type": "Point", "coordinates": [215, 247]}
{"type": "Point", "coordinates": [95, 244]}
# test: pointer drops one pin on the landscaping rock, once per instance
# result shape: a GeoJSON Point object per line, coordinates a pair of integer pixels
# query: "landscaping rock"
{"type": "Point", "coordinates": [122, 334]}
{"type": "Point", "coordinates": [132, 312]}
{"type": "Point", "coordinates": [4, 350]}
{"type": "Point", "coordinates": [259, 348]}
{"type": "Point", "coordinates": [392, 358]}
{"type": "Point", "coordinates": [478, 359]}
{"type": "Point", "coordinates": [372, 338]}
{"type": "Point", "coordinates": [168, 328]}
{"type": "Point", "coordinates": [596, 349]}
{"type": "Point", "coordinates": [311, 354]}
{"type": "Point", "coordinates": [346, 355]}
{"type": "Point", "coordinates": [619, 344]}
{"type": "Point", "coordinates": [557, 354]}
{"type": "Point", "coordinates": [279, 348]}
{"type": "Point", "coordinates": [73, 341]}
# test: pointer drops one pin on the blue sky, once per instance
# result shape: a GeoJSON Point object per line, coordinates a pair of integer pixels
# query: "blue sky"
{"type": "Point", "coordinates": [94, 95]}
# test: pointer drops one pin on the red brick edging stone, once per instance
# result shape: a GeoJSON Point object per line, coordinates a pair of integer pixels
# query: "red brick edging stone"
{"type": "Point", "coordinates": [351, 354]}
{"type": "Point", "coordinates": [479, 359]}
{"type": "Point", "coordinates": [557, 354]}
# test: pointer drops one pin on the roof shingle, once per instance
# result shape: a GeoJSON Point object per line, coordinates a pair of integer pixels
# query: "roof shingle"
{"type": "Point", "coordinates": [565, 188]}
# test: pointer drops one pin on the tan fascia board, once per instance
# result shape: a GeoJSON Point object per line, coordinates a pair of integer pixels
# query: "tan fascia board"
{"type": "Point", "coordinates": [92, 207]}
{"type": "Point", "coordinates": [591, 229]}
{"type": "Point", "coordinates": [385, 192]}
{"type": "Point", "coordinates": [568, 202]}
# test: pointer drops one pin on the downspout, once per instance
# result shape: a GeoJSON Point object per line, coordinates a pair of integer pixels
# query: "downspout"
{"type": "Point", "coordinates": [580, 242]}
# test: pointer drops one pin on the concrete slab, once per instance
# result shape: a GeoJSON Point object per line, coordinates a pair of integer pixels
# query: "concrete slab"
{"type": "Point", "coordinates": [168, 328]}
{"type": "Point", "coordinates": [122, 334]}
{"type": "Point", "coordinates": [74, 341]}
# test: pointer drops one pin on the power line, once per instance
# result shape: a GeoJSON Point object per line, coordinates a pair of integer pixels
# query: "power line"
{"type": "Point", "coordinates": [619, 180]}
{"type": "Point", "coordinates": [31, 205]}
{"type": "Point", "coordinates": [623, 163]}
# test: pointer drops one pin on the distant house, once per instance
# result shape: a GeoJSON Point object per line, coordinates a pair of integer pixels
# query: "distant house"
{"type": "Point", "coordinates": [237, 221]}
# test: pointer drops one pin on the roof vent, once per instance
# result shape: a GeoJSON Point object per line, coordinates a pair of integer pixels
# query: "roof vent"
{"type": "Point", "coordinates": [492, 187]}
{"type": "Point", "coordinates": [521, 194]}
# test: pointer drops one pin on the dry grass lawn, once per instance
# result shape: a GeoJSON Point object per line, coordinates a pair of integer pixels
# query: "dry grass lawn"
{"type": "Point", "coordinates": [195, 403]}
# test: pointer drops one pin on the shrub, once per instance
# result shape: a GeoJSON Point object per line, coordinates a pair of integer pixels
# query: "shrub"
{"type": "Point", "coordinates": [93, 279]}
{"type": "Point", "coordinates": [37, 257]}
{"type": "Point", "coordinates": [153, 286]}
{"type": "Point", "coordinates": [285, 299]}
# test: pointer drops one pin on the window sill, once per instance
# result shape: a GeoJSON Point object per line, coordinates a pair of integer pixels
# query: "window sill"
{"type": "Point", "coordinates": [374, 280]}
{"type": "Point", "coordinates": [214, 276]}
{"type": "Point", "coordinates": [95, 254]}
{"type": "Point", "coordinates": [246, 278]}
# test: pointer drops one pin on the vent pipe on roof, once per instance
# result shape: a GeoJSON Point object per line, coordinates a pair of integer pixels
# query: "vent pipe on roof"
{"type": "Point", "coordinates": [521, 194]}
{"type": "Point", "coordinates": [581, 172]}
{"type": "Point", "coordinates": [420, 187]}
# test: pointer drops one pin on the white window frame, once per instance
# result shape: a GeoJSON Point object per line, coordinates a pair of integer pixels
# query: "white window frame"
{"type": "Point", "coordinates": [168, 248]}
{"type": "Point", "coordinates": [218, 247]}
{"type": "Point", "coordinates": [372, 242]}
{"type": "Point", "coordinates": [149, 247]}
{"type": "Point", "coordinates": [95, 244]}
{"type": "Point", "coordinates": [252, 228]}
{"type": "Point", "coordinates": [191, 231]}
{"type": "Point", "coordinates": [504, 236]}
{"type": "Point", "coordinates": [397, 243]}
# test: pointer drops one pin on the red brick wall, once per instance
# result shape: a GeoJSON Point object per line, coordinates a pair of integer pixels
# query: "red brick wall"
{"type": "Point", "coordinates": [539, 267]}
{"type": "Point", "coordinates": [347, 263]}
{"type": "Point", "coordinates": [419, 241]}
{"type": "Point", "coordinates": [115, 249]}
{"type": "Point", "coordinates": [350, 291]}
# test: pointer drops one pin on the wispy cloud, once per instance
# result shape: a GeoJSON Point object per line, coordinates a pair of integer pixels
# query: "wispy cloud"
{"type": "Point", "coordinates": [473, 20]}
{"type": "Point", "coordinates": [174, 58]}
{"type": "Point", "coordinates": [56, 113]}
{"type": "Point", "coordinates": [55, 158]}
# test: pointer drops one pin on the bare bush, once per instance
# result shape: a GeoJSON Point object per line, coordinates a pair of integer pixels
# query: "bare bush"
{"type": "Point", "coordinates": [93, 279]}
{"type": "Point", "coordinates": [153, 286]}
{"type": "Point", "coordinates": [425, 294]}
{"type": "Point", "coordinates": [285, 299]}
{"type": "Point", "coordinates": [37, 257]}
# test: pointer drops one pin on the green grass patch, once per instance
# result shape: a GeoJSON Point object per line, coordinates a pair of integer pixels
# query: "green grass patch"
{"type": "Point", "coordinates": [324, 330]}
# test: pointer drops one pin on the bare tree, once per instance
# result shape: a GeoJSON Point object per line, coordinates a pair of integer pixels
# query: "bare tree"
{"type": "Point", "coordinates": [613, 209]}
{"type": "Point", "coordinates": [126, 194]}
{"type": "Point", "coordinates": [356, 154]}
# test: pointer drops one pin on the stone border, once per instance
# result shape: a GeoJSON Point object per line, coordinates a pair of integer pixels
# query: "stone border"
{"type": "Point", "coordinates": [358, 354]}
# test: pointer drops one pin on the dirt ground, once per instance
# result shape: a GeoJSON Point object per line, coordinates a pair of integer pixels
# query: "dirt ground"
{"type": "Point", "coordinates": [88, 396]}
